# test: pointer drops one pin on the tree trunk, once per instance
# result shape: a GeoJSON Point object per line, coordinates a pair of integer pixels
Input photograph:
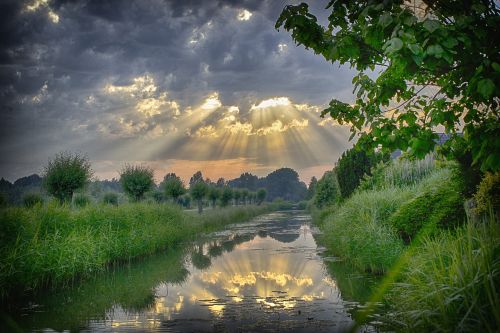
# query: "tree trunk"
{"type": "Point", "coordinates": [200, 206]}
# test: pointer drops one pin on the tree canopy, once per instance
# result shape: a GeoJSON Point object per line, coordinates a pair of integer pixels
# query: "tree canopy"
{"type": "Point", "coordinates": [438, 63]}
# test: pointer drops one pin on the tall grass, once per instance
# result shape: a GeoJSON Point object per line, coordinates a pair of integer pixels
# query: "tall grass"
{"type": "Point", "coordinates": [53, 244]}
{"type": "Point", "coordinates": [451, 284]}
{"type": "Point", "coordinates": [357, 232]}
{"type": "Point", "coordinates": [399, 173]}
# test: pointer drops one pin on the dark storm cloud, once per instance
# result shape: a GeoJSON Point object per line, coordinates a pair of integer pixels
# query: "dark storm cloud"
{"type": "Point", "coordinates": [57, 57]}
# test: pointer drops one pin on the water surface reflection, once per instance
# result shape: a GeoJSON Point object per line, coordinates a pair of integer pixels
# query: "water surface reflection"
{"type": "Point", "coordinates": [266, 275]}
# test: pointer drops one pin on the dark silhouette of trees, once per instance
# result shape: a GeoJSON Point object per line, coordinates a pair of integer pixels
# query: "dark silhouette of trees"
{"type": "Point", "coordinates": [284, 183]}
{"type": "Point", "coordinates": [311, 188]}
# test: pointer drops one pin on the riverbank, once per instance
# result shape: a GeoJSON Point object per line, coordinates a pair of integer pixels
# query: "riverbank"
{"type": "Point", "coordinates": [407, 223]}
{"type": "Point", "coordinates": [55, 245]}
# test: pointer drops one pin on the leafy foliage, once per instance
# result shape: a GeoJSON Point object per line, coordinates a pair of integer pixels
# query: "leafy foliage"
{"type": "Point", "coordinates": [352, 166]}
{"type": "Point", "coordinates": [198, 189]}
{"type": "Point", "coordinates": [439, 66]}
{"type": "Point", "coordinates": [65, 174]}
{"type": "Point", "coordinates": [438, 204]}
{"type": "Point", "coordinates": [136, 181]}
{"type": "Point", "coordinates": [327, 190]}
{"type": "Point", "coordinates": [173, 186]}
{"type": "Point", "coordinates": [488, 195]}
{"type": "Point", "coordinates": [261, 195]}
{"type": "Point", "coordinates": [226, 196]}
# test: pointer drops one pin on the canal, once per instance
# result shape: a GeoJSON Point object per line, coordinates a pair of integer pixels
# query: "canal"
{"type": "Point", "coordinates": [266, 275]}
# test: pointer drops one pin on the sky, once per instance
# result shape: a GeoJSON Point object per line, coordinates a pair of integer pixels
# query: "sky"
{"type": "Point", "coordinates": [180, 86]}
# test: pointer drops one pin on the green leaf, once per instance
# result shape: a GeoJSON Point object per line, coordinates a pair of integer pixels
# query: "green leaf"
{"type": "Point", "coordinates": [385, 19]}
{"type": "Point", "coordinates": [415, 49]}
{"type": "Point", "coordinates": [486, 87]}
{"type": "Point", "coordinates": [393, 45]}
{"type": "Point", "coordinates": [435, 50]}
{"type": "Point", "coordinates": [496, 67]}
{"type": "Point", "coordinates": [431, 25]}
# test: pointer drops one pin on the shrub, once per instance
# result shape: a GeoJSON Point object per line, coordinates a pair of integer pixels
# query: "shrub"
{"type": "Point", "coordinates": [488, 194]}
{"type": "Point", "coordinates": [110, 198]}
{"type": "Point", "coordinates": [81, 200]}
{"type": "Point", "coordinates": [136, 181]}
{"type": "Point", "coordinates": [157, 196]}
{"type": "Point", "coordinates": [451, 283]}
{"type": "Point", "coordinates": [327, 190]}
{"type": "Point", "coordinates": [261, 195]}
{"type": "Point", "coordinates": [32, 199]}
{"type": "Point", "coordinates": [438, 204]}
{"type": "Point", "coordinates": [65, 174]}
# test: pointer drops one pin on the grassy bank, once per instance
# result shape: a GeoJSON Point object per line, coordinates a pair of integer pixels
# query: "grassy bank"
{"type": "Point", "coordinates": [408, 223]}
{"type": "Point", "coordinates": [54, 245]}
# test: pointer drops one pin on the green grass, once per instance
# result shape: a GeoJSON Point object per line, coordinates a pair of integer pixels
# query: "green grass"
{"type": "Point", "coordinates": [451, 283]}
{"type": "Point", "coordinates": [356, 230]}
{"type": "Point", "coordinates": [53, 245]}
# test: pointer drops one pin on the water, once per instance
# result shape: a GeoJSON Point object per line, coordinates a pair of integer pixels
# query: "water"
{"type": "Point", "coordinates": [267, 275]}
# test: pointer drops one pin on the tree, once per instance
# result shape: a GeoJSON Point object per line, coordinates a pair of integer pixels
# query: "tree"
{"type": "Point", "coordinates": [261, 195]}
{"type": "Point", "coordinates": [327, 190]}
{"type": "Point", "coordinates": [221, 182]}
{"type": "Point", "coordinates": [311, 188]}
{"type": "Point", "coordinates": [236, 196]}
{"type": "Point", "coordinates": [439, 66]}
{"type": "Point", "coordinates": [285, 183]}
{"type": "Point", "coordinates": [353, 165]}
{"type": "Point", "coordinates": [173, 186]}
{"type": "Point", "coordinates": [198, 192]}
{"type": "Point", "coordinates": [136, 181]}
{"type": "Point", "coordinates": [66, 173]}
{"type": "Point", "coordinates": [197, 177]}
{"type": "Point", "coordinates": [244, 195]}
{"type": "Point", "coordinates": [226, 196]}
{"type": "Point", "coordinates": [213, 194]}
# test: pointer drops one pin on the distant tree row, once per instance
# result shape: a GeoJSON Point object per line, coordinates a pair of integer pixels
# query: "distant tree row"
{"type": "Point", "coordinates": [68, 173]}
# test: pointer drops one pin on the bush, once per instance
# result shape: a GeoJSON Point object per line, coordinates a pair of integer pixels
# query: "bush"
{"type": "Point", "coordinates": [226, 196]}
{"type": "Point", "coordinates": [261, 195]}
{"type": "Point", "coordinates": [81, 200]}
{"type": "Point", "coordinates": [451, 283]}
{"type": "Point", "coordinates": [136, 181]}
{"type": "Point", "coordinates": [327, 190]}
{"type": "Point", "coordinates": [488, 195]}
{"type": "Point", "coordinates": [438, 204]}
{"type": "Point", "coordinates": [3, 199]}
{"type": "Point", "coordinates": [110, 198]}
{"type": "Point", "coordinates": [65, 174]}
{"type": "Point", "coordinates": [32, 199]}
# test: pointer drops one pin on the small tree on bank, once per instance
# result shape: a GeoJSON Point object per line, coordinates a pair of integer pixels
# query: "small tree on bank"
{"type": "Point", "coordinates": [236, 196]}
{"type": "Point", "coordinates": [213, 194]}
{"type": "Point", "coordinates": [198, 192]}
{"type": "Point", "coordinates": [261, 195]}
{"type": "Point", "coordinates": [136, 181]}
{"type": "Point", "coordinates": [65, 174]}
{"type": "Point", "coordinates": [173, 186]}
{"type": "Point", "coordinates": [226, 196]}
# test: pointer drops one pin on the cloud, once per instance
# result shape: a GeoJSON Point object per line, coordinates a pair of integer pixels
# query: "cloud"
{"type": "Point", "coordinates": [118, 79]}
